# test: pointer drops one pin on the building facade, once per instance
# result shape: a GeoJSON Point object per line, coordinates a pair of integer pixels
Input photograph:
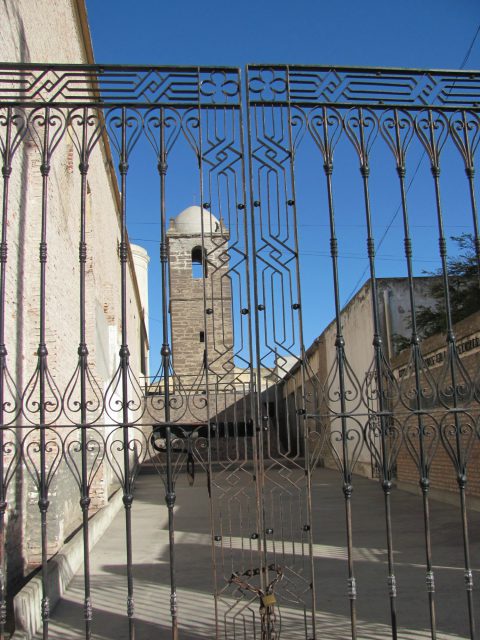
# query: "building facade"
{"type": "Point", "coordinates": [54, 197]}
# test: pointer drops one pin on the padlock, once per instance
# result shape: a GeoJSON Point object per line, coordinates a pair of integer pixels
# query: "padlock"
{"type": "Point", "coordinates": [269, 600]}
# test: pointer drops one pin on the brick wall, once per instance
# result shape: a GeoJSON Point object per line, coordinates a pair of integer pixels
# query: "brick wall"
{"type": "Point", "coordinates": [443, 476]}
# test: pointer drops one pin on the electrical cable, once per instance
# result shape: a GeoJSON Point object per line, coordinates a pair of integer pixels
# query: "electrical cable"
{"type": "Point", "coordinates": [394, 217]}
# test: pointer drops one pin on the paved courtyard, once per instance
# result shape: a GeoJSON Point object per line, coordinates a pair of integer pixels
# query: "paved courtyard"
{"type": "Point", "coordinates": [195, 604]}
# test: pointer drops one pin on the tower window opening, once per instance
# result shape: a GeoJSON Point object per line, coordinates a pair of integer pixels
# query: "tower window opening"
{"type": "Point", "coordinates": [202, 336]}
{"type": "Point", "coordinates": [199, 263]}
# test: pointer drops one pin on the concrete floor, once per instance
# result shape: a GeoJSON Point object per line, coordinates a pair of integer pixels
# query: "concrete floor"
{"type": "Point", "coordinates": [195, 603]}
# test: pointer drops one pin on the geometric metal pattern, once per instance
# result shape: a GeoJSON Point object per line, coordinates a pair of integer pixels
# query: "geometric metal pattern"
{"type": "Point", "coordinates": [343, 86]}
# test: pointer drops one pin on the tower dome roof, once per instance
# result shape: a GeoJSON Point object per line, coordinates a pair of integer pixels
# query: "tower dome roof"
{"type": "Point", "coordinates": [190, 221]}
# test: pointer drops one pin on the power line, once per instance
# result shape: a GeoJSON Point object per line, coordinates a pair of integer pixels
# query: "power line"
{"type": "Point", "coordinates": [325, 225]}
{"type": "Point", "coordinates": [326, 254]}
{"type": "Point", "coordinates": [470, 48]}
{"type": "Point", "coordinates": [389, 226]}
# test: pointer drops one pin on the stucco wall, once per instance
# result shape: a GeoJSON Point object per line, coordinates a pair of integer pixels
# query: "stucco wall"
{"type": "Point", "coordinates": [322, 375]}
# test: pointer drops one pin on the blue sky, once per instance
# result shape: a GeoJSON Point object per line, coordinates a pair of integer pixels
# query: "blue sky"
{"type": "Point", "coordinates": [419, 34]}
{"type": "Point", "coordinates": [411, 33]}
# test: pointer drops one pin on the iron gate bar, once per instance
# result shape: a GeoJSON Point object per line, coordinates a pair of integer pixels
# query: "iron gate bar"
{"type": "Point", "coordinates": [399, 144]}
{"type": "Point", "coordinates": [302, 420]}
{"type": "Point", "coordinates": [8, 147]}
{"type": "Point", "coordinates": [86, 146]}
{"type": "Point", "coordinates": [358, 123]}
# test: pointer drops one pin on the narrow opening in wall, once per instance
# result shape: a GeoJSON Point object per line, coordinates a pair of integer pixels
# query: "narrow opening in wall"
{"type": "Point", "coordinates": [199, 264]}
{"type": "Point", "coordinates": [202, 336]}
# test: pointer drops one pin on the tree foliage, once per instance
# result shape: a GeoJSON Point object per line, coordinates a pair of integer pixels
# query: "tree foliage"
{"type": "Point", "coordinates": [464, 289]}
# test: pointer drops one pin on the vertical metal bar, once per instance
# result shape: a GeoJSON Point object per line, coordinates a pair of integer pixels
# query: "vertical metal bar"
{"type": "Point", "coordinates": [301, 418]}
{"type": "Point", "coordinates": [42, 353]}
{"type": "Point", "coordinates": [206, 358]}
{"type": "Point", "coordinates": [6, 173]}
{"type": "Point", "coordinates": [341, 358]}
{"type": "Point", "coordinates": [380, 365]}
{"type": "Point", "coordinates": [83, 361]}
{"type": "Point", "coordinates": [424, 463]}
{"type": "Point", "coordinates": [249, 223]}
{"type": "Point", "coordinates": [467, 150]}
{"type": "Point", "coordinates": [256, 442]}
{"type": "Point", "coordinates": [170, 496]}
{"type": "Point", "coordinates": [124, 354]}
{"type": "Point", "coordinates": [470, 173]}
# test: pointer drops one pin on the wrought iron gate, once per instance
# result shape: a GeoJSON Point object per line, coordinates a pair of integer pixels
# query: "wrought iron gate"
{"type": "Point", "coordinates": [238, 396]}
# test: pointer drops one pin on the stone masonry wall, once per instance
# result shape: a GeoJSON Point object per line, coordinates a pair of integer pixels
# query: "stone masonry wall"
{"type": "Point", "coordinates": [187, 308]}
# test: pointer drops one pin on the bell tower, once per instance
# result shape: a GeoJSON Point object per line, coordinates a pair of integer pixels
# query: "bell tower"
{"type": "Point", "coordinates": [200, 294]}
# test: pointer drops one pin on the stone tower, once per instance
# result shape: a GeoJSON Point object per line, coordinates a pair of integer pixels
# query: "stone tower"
{"type": "Point", "coordinates": [200, 295]}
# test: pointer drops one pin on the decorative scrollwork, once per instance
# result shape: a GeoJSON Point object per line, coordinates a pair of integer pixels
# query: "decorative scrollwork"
{"type": "Point", "coordinates": [397, 128]}
{"type": "Point", "coordinates": [342, 386]}
{"type": "Point", "coordinates": [86, 127]}
{"type": "Point", "coordinates": [465, 132]}
{"type": "Point", "coordinates": [361, 127]}
{"type": "Point", "coordinates": [116, 404]}
{"type": "Point", "coordinates": [346, 444]}
{"type": "Point", "coordinates": [48, 407]}
{"type": "Point", "coordinates": [416, 383]}
{"type": "Point", "coordinates": [125, 449]}
{"type": "Point", "coordinates": [380, 385]}
{"type": "Point", "coordinates": [326, 126]}
{"type": "Point", "coordinates": [42, 453]}
{"type": "Point", "coordinates": [88, 443]}
{"type": "Point", "coordinates": [10, 450]}
{"type": "Point", "coordinates": [432, 128]}
{"type": "Point", "coordinates": [201, 446]}
{"type": "Point", "coordinates": [125, 127]}
{"type": "Point", "coordinates": [197, 394]}
{"type": "Point", "coordinates": [13, 129]}
{"type": "Point", "coordinates": [191, 129]}
{"type": "Point", "coordinates": [422, 436]}
{"type": "Point", "coordinates": [298, 128]}
{"type": "Point", "coordinates": [92, 408]}
{"type": "Point", "coordinates": [454, 385]}
{"type": "Point", "coordinates": [162, 128]}
{"type": "Point", "coordinates": [383, 438]}
{"type": "Point", "coordinates": [12, 400]}
{"type": "Point", "coordinates": [160, 388]}
{"type": "Point", "coordinates": [457, 430]}
{"type": "Point", "coordinates": [47, 125]}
